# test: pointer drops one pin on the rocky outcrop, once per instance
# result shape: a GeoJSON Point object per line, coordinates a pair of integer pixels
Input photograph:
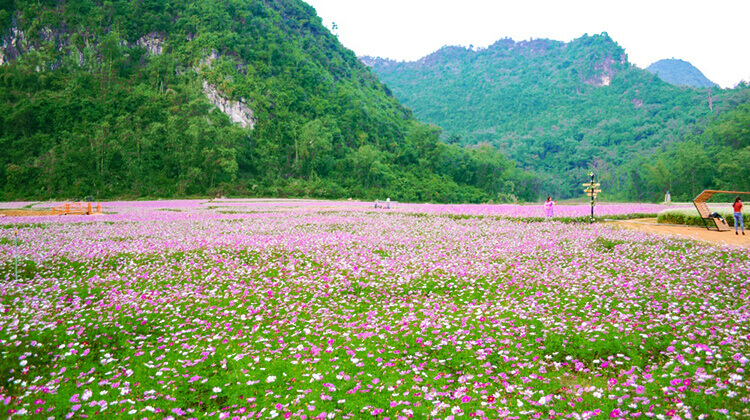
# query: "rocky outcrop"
{"type": "Point", "coordinates": [208, 61]}
{"type": "Point", "coordinates": [238, 111]}
{"type": "Point", "coordinates": [605, 70]}
{"type": "Point", "coordinates": [13, 45]}
{"type": "Point", "coordinates": [153, 43]}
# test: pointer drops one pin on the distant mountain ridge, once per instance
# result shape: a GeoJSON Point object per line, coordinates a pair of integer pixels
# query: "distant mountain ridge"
{"type": "Point", "coordinates": [680, 73]}
{"type": "Point", "coordinates": [558, 109]}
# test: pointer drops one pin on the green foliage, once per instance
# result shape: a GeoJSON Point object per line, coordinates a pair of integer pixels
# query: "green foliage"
{"type": "Point", "coordinates": [562, 109]}
{"type": "Point", "coordinates": [107, 100]}
{"type": "Point", "coordinates": [607, 244]}
{"type": "Point", "coordinates": [715, 158]}
{"type": "Point", "coordinates": [7, 8]}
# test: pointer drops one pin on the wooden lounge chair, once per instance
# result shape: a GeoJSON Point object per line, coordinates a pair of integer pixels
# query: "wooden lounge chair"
{"type": "Point", "coordinates": [700, 205]}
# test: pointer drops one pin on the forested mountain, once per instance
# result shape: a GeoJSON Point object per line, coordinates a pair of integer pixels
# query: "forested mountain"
{"type": "Point", "coordinates": [716, 158]}
{"type": "Point", "coordinates": [166, 98]}
{"type": "Point", "coordinates": [559, 110]}
{"type": "Point", "coordinates": [680, 73]}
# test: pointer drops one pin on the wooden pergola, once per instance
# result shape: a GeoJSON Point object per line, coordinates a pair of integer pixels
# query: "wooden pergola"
{"type": "Point", "coordinates": [705, 213]}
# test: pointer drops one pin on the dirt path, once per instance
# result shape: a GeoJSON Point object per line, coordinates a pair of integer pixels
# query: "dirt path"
{"type": "Point", "coordinates": [687, 232]}
{"type": "Point", "coordinates": [25, 213]}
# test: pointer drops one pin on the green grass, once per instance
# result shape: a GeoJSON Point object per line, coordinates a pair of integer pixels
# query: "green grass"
{"type": "Point", "coordinates": [9, 241]}
{"type": "Point", "coordinates": [23, 226]}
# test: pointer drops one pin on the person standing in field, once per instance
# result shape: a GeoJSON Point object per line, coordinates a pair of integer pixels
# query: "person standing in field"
{"type": "Point", "coordinates": [549, 207]}
{"type": "Point", "coordinates": [738, 220]}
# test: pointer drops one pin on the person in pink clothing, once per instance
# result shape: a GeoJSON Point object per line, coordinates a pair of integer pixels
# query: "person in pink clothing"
{"type": "Point", "coordinates": [549, 205]}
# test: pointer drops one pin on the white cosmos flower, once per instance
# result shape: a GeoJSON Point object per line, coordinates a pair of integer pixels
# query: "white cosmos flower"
{"type": "Point", "coordinates": [270, 379]}
{"type": "Point", "coordinates": [217, 389]}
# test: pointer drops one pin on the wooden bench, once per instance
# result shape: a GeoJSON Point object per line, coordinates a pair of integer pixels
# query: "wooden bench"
{"type": "Point", "coordinates": [700, 204]}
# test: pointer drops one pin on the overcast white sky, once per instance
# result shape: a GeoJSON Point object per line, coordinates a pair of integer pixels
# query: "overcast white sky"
{"type": "Point", "coordinates": [714, 36]}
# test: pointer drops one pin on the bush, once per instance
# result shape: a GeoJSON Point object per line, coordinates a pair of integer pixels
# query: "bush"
{"type": "Point", "coordinates": [691, 217]}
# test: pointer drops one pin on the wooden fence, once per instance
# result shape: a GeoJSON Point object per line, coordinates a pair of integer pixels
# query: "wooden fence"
{"type": "Point", "coordinates": [77, 208]}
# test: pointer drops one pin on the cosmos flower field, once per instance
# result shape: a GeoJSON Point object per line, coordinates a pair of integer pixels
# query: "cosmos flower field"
{"type": "Point", "coordinates": [307, 310]}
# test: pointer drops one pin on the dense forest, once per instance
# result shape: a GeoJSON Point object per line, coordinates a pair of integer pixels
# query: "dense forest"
{"type": "Point", "coordinates": [715, 158]}
{"type": "Point", "coordinates": [561, 110]}
{"type": "Point", "coordinates": [122, 98]}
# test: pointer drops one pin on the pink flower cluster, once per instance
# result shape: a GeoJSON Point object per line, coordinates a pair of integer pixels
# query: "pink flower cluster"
{"type": "Point", "coordinates": [308, 309]}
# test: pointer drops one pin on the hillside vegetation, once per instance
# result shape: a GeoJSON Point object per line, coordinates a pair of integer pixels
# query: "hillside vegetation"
{"type": "Point", "coordinates": [715, 158]}
{"type": "Point", "coordinates": [122, 99]}
{"type": "Point", "coordinates": [561, 110]}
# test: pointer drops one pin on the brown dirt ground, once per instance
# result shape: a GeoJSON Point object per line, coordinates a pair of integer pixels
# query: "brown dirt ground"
{"type": "Point", "coordinates": [687, 232]}
{"type": "Point", "coordinates": [29, 213]}
{"type": "Point", "coordinates": [25, 212]}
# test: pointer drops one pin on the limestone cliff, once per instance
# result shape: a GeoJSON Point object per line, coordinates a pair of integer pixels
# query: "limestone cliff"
{"type": "Point", "coordinates": [238, 111]}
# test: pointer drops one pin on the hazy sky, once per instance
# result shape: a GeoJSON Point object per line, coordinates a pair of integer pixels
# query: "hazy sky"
{"type": "Point", "coordinates": [713, 35]}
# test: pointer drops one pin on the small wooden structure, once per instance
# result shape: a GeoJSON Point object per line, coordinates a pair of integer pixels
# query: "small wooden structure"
{"type": "Point", "coordinates": [700, 204]}
{"type": "Point", "coordinates": [76, 208]}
